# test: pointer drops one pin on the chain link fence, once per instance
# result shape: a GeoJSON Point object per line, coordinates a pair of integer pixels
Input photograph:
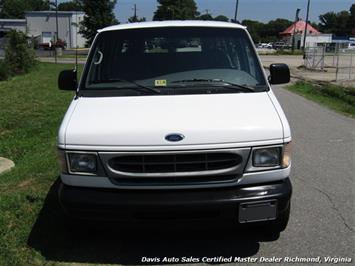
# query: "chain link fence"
{"type": "Point", "coordinates": [344, 62]}
{"type": "Point", "coordinates": [337, 61]}
{"type": "Point", "coordinates": [315, 58]}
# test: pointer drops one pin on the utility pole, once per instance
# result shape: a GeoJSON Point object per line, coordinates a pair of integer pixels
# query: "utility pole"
{"type": "Point", "coordinates": [294, 29]}
{"type": "Point", "coordinates": [56, 34]}
{"type": "Point", "coordinates": [135, 13]}
{"type": "Point", "coordinates": [305, 30]}
{"type": "Point", "coordinates": [76, 38]}
{"type": "Point", "coordinates": [236, 11]}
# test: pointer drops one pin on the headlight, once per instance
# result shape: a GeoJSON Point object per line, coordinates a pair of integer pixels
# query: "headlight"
{"type": "Point", "coordinates": [267, 157]}
{"type": "Point", "coordinates": [82, 163]}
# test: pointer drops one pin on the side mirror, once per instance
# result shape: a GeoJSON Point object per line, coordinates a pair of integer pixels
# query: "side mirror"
{"type": "Point", "coordinates": [67, 80]}
{"type": "Point", "coordinates": [279, 74]}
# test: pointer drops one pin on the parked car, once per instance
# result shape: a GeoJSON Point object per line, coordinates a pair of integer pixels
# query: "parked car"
{"type": "Point", "coordinates": [157, 132]}
{"type": "Point", "coordinates": [50, 46]}
{"type": "Point", "coordinates": [351, 46]}
{"type": "Point", "coordinates": [265, 46]}
{"type": "Point", "coordinates": [281, 46]}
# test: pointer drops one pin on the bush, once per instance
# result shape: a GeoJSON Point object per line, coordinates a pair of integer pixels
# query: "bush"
{"type": "Point", "coordinates": [19, 58]}
{"type": "Point", "coordinates": [4, 73]}
{"type": "Point", "coordinates": [340, 93]}
{"type": "Point", "coordinates": [333, 91]}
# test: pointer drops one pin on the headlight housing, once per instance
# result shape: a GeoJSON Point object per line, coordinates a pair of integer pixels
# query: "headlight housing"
{"type": "Point", "coordinates": [82, 163]}
{"type": "Point", "coordinates": [269, 158]}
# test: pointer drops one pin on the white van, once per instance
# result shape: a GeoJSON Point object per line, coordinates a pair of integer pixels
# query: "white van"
{"type": "Point", "coordinates": [176, 118]}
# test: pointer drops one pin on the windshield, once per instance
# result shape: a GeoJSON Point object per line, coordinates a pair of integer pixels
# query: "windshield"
{"type": "Point", "coordinates": [174, 60]}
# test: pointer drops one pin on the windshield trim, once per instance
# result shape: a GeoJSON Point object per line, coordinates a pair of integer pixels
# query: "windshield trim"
{"type": "Point", "coordinates": [118, 93]}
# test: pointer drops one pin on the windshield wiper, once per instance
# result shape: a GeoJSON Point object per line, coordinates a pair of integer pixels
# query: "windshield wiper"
{"type": "Point", "coordinates": [138, 86]}
{"type": "Point", "coordinates": [230, 85]}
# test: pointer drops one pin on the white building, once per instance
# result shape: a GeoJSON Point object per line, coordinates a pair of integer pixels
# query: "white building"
{"type": "Point", "coordinates": [8, 24]}
{"type": "Point", "coordinates": [42, 25]}
{"type": "Point", "coordinates": [319, 40]}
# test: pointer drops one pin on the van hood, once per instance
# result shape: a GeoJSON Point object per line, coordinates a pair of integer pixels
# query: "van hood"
{"type": "Point", "coordinates": [146, 121]}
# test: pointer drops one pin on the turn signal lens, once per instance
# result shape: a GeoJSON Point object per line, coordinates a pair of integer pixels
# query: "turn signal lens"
{"type": "Point", "coordinates": [286, 158]}
{"type": "Point", "coordinates": [62, 162]}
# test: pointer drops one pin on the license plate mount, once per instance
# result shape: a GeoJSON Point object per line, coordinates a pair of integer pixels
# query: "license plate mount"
{"type": "Point", "coordinates": [257, 211]}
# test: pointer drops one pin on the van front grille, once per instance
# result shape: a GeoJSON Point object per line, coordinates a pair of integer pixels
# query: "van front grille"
{"type": "Point", "coordinates": [174, 163]}
{"type": "Point", "coordinates": [164, 169]}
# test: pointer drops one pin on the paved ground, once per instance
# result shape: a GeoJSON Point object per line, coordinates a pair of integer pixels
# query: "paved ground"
{"type": "Point", "coordinates": [322, 220]}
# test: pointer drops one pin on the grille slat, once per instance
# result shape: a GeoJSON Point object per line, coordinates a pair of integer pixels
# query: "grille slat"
{"type": "Point", "coordinates": [180, 162]}
{"type": "Point", "coordinates": [176, 163]}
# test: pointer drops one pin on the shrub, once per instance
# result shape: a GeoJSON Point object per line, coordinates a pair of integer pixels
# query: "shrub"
{"type": "Point", "coordinates": [4, 73]}
{"type": "Point", "coordinates": [19, 58]}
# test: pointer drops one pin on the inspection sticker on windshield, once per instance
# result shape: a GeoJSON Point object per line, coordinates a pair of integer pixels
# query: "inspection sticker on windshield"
{"type": "Point", "coordinates": [160, 83]}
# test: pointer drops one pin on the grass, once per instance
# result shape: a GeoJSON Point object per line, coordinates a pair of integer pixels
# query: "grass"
{"type": "Point", "coordinates": [31, 111]}
{"type": "Point", "coordinates": [280, 52]}
{"type": "Point", "coordinates": [72, 56]}
{"type": "Point", "coordinates": [289, 52]}
{"type": "Point", "coordinates": [337, 98]}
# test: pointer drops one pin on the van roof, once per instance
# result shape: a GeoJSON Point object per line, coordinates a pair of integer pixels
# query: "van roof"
{"type": "Point", "coordinates": [173, 23]}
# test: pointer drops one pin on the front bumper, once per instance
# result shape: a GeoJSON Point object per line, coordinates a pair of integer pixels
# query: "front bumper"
{"type": "Point", "coordinates": [113, 204]}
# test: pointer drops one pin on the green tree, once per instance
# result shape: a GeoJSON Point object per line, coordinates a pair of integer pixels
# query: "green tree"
{"type": "Point", "coordinates": [205, 17]}
{"type": "Point", "coordinates": [336, 23]}
{"type": "Point", "coordinates": [136, 19]}
{"type": "Point", "coordinates": [208, 16]}
{"type": "Point", "coordinates": [266, 32]}
{"type": "Point", "coordinates": [255, 28]}
{"type": "Point", "coordinates": [74, 5]}
{"type": "Point", "coordinates": [19, 58]}
{"type": "Point", "coordinates": [314, 25]}
{"type": "Point", "coordinates": [327, 22]}
{"type": "Point", "coordinates": [99, 14]}
{"type": "Point", "coordinates": [176, 9]}
{"type": "Point", "coordinates": [16, 8]}
{"type": "Point", "coordinates": [271, 30]}
{"type": "Point", "coordinates": [221, 18]}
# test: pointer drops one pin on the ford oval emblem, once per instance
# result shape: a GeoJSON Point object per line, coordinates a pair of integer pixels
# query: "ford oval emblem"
{"type": "Point", "coordinates": [174, 137]}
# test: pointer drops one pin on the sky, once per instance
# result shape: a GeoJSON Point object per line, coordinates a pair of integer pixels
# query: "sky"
{"type": "Point", "coordinates": [261, 10]}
